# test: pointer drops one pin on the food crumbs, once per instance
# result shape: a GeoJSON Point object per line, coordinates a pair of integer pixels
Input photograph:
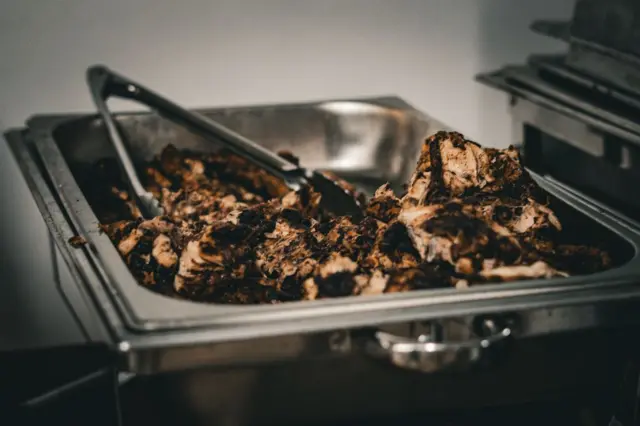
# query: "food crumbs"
{"type": "Point", "coordinates": [77, 241]}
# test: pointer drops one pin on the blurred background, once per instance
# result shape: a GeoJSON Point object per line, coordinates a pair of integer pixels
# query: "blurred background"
{"type": "Point", "coordinates": [233, 52]}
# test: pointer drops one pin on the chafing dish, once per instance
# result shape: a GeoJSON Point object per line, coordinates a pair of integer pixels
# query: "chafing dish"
{"type": "Point", "coordinates": [235, 363]}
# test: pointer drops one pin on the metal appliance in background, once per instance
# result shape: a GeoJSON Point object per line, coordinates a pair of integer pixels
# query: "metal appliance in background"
{"type": "Point", "coordinates": [576, 117]}
{"type": "Point", "coordinates": [576, 114]}
{"type": "Point", "coordinates": [351, 359]}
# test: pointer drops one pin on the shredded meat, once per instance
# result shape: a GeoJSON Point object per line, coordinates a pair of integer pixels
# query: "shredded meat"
{"type": "Point", "coordinates": [233, 234]}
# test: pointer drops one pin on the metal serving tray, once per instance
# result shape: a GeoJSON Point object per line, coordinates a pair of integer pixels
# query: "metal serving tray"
{"type": "Point", "coordinates": [373, 139]}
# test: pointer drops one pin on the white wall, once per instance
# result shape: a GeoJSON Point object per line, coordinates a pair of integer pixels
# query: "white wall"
{"type": "Point", "coordinates": [218, 52]}
{"type": "Point", "coordinates": [224, 52]}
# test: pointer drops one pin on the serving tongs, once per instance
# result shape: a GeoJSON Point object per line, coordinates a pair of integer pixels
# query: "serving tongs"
{"type": "Point", "coordinates": [105, 83]}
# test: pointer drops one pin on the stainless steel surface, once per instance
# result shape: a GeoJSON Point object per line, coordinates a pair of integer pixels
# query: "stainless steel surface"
{"type": "Point", "coordinates": [523, 81]}
{"type": "Point", "coordinates": [101, 87]}
{"type": "Point", "coordinates": [429, 355]}
{"type": "Point", "coordinates": [555, 68]}
{"type": "Point", "coordinates": [158, 334]}
{"type": "Point", "coordinates": [35, 314]}
{"type": "Point", "coordinates": [105, 83]}
{"type": "Point", "coordinates": [602, 37]}
{"type": "Point", "coordinates": [565, 115]}
{"type": "Point", "coordinates": [619, 70]}
{"type": "Point", "coordinates": [338, 390]}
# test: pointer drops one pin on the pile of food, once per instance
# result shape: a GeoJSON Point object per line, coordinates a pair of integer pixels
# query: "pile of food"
{"type": "Point", "coordinates": [234, 234]}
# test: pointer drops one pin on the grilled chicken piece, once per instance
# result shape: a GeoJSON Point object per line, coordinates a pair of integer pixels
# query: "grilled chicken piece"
{"type": "Point", "coordinates": [149, 249]}
{"type": "Point", "coordinates": [333, 278]}
{"type": "Point", "coordinates": [341, 235]}
{"type": "Point", "coordinates": [447, 167]}
{"type": "Point", "coordinates": [221, 253]}
{"type": "Point", "coordinates": [392, 248]}
{"type": "Point", "coordinates": [269, 242]}
{"type": "Point", "coordinates": [193, 187]}
{"type": "Point", "coordinates": [201, 204]}
{"type": "Point", "coordinates": [516, 272]}
{"type": "Point", "coordinates": [340, 276]}
{"type": "Point", "coordinates": [517, 215]}
{"type": "Point", "coordinates": [473, 207]}
{"type": "Point", "coordinates": [222, 170]}
{"type": "Point", "coordinates": [424, 277]}
{"type": "Point", "coordinates": [451, 166]}
{"type": "Point", "coordinates": [459, 234]}
{"type": "Point", "coordinates": [285, 255]}
{"type": "Point", "coordinates": [384, 206]}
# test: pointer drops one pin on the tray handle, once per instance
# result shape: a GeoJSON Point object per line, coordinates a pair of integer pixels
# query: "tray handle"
{"type": "Point", "coordinates": [427, 354]}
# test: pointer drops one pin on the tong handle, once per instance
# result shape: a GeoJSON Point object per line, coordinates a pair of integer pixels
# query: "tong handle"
{"type": "Point", "coordinates": [113, 84]}
{"type": "Point", "coordinates": [100, 85]}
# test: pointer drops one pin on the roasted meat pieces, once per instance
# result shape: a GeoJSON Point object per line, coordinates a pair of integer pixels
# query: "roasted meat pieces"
{"type": "Point", "coordinates": [149, 248]}
{"type": "Point", "coordinates": [234, 234]}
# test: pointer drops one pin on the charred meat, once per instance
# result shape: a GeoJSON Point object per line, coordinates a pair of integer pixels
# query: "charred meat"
{"type": "Point", "coordinates": [234, 234]}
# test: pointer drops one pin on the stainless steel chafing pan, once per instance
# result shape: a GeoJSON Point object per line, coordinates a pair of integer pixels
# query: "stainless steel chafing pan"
{"type": "Point", "coordinates": [369, 141]}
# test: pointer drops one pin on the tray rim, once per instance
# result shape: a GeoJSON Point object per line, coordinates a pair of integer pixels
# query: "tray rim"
{"type": "Point", "coordinates": [557, 100]}
{"type": "Point", "coordinates": [334, 314]}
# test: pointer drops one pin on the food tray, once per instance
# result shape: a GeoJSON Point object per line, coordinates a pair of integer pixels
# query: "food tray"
{"type": "Point", "coordinates": [369, 141]}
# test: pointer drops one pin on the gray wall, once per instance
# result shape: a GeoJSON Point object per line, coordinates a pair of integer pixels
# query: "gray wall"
{"type": "Point", "coordinates": [219, 52]}
{"type": "Point", "coordinates": [225, 52]}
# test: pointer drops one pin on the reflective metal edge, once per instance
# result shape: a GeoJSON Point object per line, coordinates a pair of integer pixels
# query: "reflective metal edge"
{"type": "Point", "coordinates": [75, 296]}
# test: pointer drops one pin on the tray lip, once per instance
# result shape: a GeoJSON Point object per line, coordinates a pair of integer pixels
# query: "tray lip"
{"type": "Point", "coordinates": [385, 101]}
{"type": "Point", "coordinates": [405, 307]}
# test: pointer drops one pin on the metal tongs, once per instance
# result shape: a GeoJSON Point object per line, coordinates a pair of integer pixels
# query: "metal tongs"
{"type": "Point", "coordinates": [105, 83]}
